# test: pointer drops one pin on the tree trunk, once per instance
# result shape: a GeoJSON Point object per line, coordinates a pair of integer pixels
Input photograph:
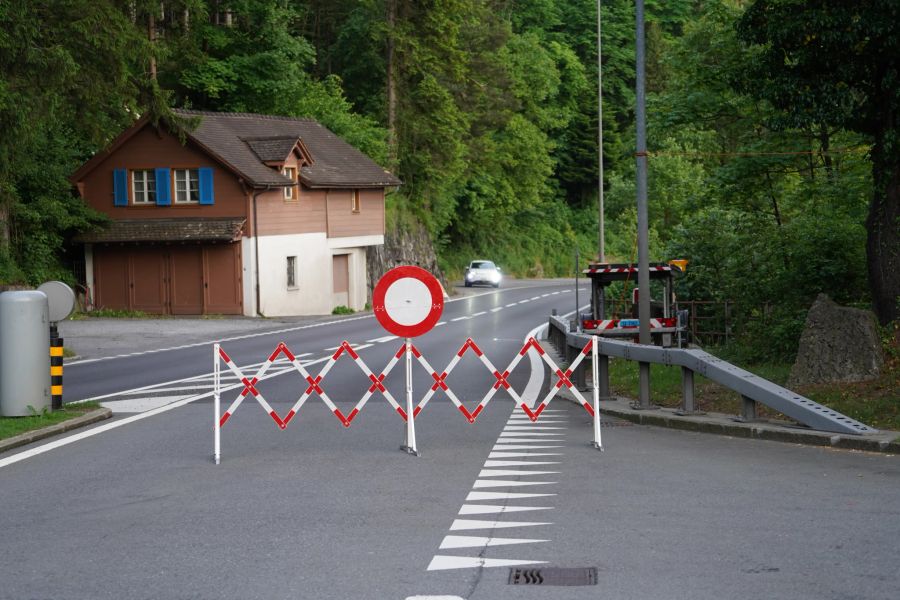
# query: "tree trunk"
{"type": "Point", "coordinates": [391, 68]}
{"type": "Point", "coordinates": [883, 239]}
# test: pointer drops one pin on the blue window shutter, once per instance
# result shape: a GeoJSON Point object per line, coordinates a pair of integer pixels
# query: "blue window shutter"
{"type": "Point", "coordinates": [120, 187]}
{"type": "Point", "coordinates": [163, 187]}
{"type": "Point", "coordinates": [206, 186]}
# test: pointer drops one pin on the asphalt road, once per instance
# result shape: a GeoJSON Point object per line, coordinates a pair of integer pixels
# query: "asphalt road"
{"type": "Point", "coordinates": [318, 510]}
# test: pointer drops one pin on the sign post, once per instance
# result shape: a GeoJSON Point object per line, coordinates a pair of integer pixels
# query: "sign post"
{"type": "Point", "coordinates": [408, 302]}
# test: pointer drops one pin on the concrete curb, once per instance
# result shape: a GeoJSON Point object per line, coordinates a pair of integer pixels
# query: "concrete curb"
{"type": "Point", "coordinates": [721, 424]}
{"type": "Point", "coordinates": [39, 434]}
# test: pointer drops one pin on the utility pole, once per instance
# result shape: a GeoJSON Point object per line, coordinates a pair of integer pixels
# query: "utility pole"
{"type": "Point", "coordinates": [642, 218]}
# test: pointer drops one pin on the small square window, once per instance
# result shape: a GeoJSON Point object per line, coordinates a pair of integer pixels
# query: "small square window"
{"type": "Point", "coordinates": [187, 186]}
{"type": "Point", "coordinates": [290, 192]}
{"type": "Point", "coordinates": [143, 187]}
{"type": "Point", "coordinates": [292, 272]}
{"type": "Point", "coordinates": [354, 201]}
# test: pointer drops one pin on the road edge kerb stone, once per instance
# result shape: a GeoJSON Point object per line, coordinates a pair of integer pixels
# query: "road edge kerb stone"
{"type": "Point", "coordinates": [884, 441]}
{"type": "Point", "coordinates": [35, 435]}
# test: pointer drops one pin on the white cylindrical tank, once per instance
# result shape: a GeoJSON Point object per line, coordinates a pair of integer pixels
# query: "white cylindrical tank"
{"type": "Point", "coordinates": [24, 353]}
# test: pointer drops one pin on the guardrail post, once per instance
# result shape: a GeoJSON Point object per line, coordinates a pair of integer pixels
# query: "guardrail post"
{"type": "Point", "coordinates": [687, 391]}
{"type": "Point", "coordinates": [603, 374]}
{"type": "Point", "coordinates": [749, 409]}
{"type": "Point", "coordinates": [644, 385]}
{"type": "Point", "coordinates": [578, 374]}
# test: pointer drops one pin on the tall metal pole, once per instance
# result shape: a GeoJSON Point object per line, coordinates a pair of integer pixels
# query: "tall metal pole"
{"type": "Point", "coordinates": [602, 254]}
{"type": "Point", "coordinates": [643, 246]}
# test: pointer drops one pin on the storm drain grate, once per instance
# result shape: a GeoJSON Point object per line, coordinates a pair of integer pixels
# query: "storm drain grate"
{"type": "Point", "coordinates": [553, 576]}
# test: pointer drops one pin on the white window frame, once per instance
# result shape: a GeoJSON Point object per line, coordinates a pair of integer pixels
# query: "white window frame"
{"type": "Point", "coordinates": [187, 177]}
{"type": "Point", "coordinates": [143, 189]}
{"type": "Point", "coordinates": [292, 273]}
{"type": "Point", "coordinates": [290, 173]}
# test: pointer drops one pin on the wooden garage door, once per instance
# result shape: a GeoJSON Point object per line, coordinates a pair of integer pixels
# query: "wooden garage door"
{"type": "Point", "coordinates": [340, 273]}
{"type": "Point", "coordinates": [186, 280]}
{"type": "Point", "coordinates": [224, 289]}
{"type": "Point", "coordinates": [181, 280]}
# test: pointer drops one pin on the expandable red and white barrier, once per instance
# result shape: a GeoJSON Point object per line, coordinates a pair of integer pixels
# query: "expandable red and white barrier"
{"type": "Point", "coordinates": [314, 385]}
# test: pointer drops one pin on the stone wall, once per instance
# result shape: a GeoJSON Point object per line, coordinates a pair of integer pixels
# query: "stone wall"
{"type": "Point", "coordinates": [403, 245]}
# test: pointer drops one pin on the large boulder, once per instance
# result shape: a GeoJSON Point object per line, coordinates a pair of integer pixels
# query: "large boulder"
{"type": "Point", "coordinates": [838, 344]}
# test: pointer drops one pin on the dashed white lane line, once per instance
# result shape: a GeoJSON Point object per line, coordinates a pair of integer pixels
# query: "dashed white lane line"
{"type": "Point", "coordinates": [497, 309]}
{"type": "Point", "coordinates": [381, 340]}
{"type": "Point", "coordinates": [463, 318]}
{"type": "Point", "coordinates": [354, 346]}
{"type": "Point", "coordinates": [439, 323]}
{"type": "Point", "coordinates": [511, 304]}
{"type": "Point", "coordinates": [478, 314]}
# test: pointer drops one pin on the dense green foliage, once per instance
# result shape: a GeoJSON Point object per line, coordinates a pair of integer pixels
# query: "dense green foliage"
{"type": "Point", "coordinates": [487, 110]}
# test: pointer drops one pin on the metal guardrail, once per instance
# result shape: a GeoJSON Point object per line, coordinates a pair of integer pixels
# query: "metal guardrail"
{"type": "Point", "coordinates": [752, 388]}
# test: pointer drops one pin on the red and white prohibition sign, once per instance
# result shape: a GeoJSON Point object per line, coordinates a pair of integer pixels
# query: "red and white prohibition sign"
{"type": "Point", "coordinates": [408, 301]}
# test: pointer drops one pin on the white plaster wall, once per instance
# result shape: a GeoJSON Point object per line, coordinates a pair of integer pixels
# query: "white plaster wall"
{"type": "Point", "coordinates": [313, 294]}
{"type": "Point", "coordinates": [248, 276]}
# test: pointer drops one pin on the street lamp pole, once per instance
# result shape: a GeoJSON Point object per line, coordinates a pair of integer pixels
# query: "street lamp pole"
{"type": "Point", "coordinates": [602, 253]}
{"type": "Point", "coordinates": [642, 217]}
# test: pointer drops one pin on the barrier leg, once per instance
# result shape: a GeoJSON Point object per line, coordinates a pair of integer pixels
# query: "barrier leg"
{"type": "Point", "coordinates": [410, 446]}
{"type": "Point", "coordinates": [598, 444]}
{"type": "Point", "coordinates": [216, 425]}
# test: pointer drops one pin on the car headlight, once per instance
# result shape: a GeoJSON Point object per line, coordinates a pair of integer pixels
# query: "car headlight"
{"type": "Point", "coordinates": [495, 277]}
{"type": "Point", "coordinates": [469, 276]}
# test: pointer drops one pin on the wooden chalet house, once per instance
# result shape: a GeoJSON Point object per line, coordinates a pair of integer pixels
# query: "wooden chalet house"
{"type": "Point", "coordinates": [253, 215]}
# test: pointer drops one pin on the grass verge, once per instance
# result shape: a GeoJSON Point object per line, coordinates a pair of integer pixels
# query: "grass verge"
{"type": "Point", "coordinates": [12, 426]}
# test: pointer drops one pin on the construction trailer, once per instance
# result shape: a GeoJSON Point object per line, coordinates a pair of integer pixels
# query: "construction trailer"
{"type": "Point", "coordinates": [618, 318]}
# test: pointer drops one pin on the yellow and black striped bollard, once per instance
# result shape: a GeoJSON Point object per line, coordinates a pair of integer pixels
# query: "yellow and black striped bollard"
{"type": "Point", "coordinates": [56, 372]}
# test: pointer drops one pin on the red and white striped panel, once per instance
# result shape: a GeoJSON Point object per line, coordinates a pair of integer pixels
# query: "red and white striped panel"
{"type": "Point", "coordinates": [440, 380]}
{"type": "Point", "coordinates": [314, 386]}
{"type": "Point", "coordinates": [623, 269]}
{"type": "Point", "coordinates": [563, 376]}
{"type": "Point", "coordinates": [250, 385]}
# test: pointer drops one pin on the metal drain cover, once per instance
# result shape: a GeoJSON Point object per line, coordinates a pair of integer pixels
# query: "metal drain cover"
{"type": "Point", "coordinates": [553, 576]}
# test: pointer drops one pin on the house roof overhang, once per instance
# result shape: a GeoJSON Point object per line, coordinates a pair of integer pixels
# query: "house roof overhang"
{"type": "Point", "coordinates": [187, 229]}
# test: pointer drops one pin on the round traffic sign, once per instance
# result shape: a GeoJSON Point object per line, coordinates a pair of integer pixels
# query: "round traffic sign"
{"type": "Point", "coordinates": [408, 301]}
{"type": "Point", "coordinates": [61, 299]}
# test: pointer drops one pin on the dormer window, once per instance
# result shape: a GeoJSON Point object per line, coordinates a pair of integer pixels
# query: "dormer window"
{"type": "Point", "coordinates": [290, 191]}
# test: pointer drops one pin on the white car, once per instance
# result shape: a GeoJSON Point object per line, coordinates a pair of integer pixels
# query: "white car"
{"type": "Point", "coordinates": [482, 271]}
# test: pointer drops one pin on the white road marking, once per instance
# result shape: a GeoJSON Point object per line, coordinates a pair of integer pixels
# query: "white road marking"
{"type": "Point", "coordinates": [523, 454]}
{"type": "Point", "coordinates": [465, 541]}
{"type": "Point", "coordinates": [506, 447]}
{"type": "Point", "coordinates": [434, 598]}
{"type": "Point", "coordinates": [496, 509]}
{"type": "Point", "coordinates": [439, 323]}
{"type": "Point", "coordinates": [381, 340]}
{"type": "Point", "coordinates": [512, 473]}
{"type": "Point", "coordinates": [522, 434]}
{"type": "Point", "coordinates": [525, 440]}
{"type": "Point", "coordinates": [495, 483]}
{"type": "Point", "coordinates": [439, 562]}
{"type": "Point", "coordinates": [354, 346]}
{"type": "Point", "coordinates": [496, 309]}
{"type": "Point", "coordinates": [528, 427]}
{"type": "Point", "coordinates": [478, 314]}
{"type": "Point", "coordinates": [139, 405]}
{"type": "Point", "coordinates": [474, 496]}
{"type": "Point", "coordinates": [510, 304]}
{"type": "Point", "coordinates": [526, 301]}
{"type": "Point", "coordinates": [517, 463]}
{"type": "Point", "coordinates": [463, 318]}
{"type": "Point", "coordinates": [535, 298]}
{"type": "Point", "coordinates": [469, 524]}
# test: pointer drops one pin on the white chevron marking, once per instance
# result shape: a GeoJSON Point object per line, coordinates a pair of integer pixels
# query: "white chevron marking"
{"type": "Point", "coordinates": [465, 541]}
{"type": "Point", "coordinates": [493, 483]}
{"type": "Point", "coordinates": [475, 496]}
{"type": "Point", "coordinates": [512, 473]}
{"type": "Point", "coordinates": [439, 563]}
{"type": "Point", "coordinates": [496, 509]}
{"type": "Point", "coordinates": [466, 524]}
